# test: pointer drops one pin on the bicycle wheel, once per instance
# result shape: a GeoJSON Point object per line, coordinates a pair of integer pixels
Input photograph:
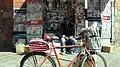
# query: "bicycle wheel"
{"type": "Point", "coordinates": [98, 61]}
{"type": "Point", "coordinates": [35, 59]}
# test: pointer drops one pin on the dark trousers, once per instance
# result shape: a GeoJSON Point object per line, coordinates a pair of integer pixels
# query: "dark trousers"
{"type": "Point", "coordinates": [68, 43]}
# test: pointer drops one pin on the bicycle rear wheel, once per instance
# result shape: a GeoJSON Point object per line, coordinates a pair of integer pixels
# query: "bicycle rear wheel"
{"type": "Point", "coordinates": [35, 59]}
{"type": "Point", "coordinates": [98, 61]}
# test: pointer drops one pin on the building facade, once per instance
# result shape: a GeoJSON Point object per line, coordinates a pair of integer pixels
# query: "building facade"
{"type": "Point", "coordinates": [21, 20]}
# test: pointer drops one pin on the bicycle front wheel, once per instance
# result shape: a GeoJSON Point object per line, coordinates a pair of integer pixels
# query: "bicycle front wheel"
{"type": "Point", "coordinates": [36, 59]}
{"type": "Point", "coordinates": [96, 61]}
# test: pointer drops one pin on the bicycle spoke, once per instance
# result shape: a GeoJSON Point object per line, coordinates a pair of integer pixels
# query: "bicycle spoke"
{"type": "Point", "coordinates": [96, 61]}
{"type": "Point", "coordinates": [99, 61]}
{"type": "Point", "coordinates": [30, 62]}
{"type": "Point", "coordinates": [36, 59]}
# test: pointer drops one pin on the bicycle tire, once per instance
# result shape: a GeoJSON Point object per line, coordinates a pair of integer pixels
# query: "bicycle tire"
{"type": "Point", "coordinates": [39, 55]}
{"type": "Point", "coordinates": [98, 60]}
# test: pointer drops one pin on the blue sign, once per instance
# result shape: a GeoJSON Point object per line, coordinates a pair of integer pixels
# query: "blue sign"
{"type": "Point", "coordinates": [20, 10]}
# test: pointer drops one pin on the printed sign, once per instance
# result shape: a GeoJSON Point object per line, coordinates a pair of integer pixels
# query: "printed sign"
{"type": "Point", "coordinates": [106, 30]}
{"type": "Point", "coordinates": [34, 31]}
{"type": "Point", "coordinates": [33, 22]}
{"type": "Point", "coordinates": [21, 11]}
{"type": "Point", "coordinates": [105, 17]}
{"type": "Point", "coordinates": [106, 20]}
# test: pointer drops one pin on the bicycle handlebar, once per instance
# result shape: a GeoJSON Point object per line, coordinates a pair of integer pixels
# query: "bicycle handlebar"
{"type": "Point", "coordinates": [83, 30]}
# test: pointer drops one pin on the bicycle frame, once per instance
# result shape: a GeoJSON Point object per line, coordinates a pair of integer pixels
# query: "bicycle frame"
{"type": "Point", "coordinates": [58, 59]}
{"type": "Point", "coordinates": [78, 56]}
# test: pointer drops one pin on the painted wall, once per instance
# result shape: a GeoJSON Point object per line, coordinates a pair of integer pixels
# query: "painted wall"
{"type": "Point", "coordinates": [117, 5]}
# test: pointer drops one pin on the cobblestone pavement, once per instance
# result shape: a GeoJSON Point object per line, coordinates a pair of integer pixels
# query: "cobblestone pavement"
{"type": "Point", "coordinates": [9, 59]}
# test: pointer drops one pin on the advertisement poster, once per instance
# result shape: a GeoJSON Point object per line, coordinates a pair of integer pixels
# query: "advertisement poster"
{"type": "Point", "coordinates": [34, 31]}
{"type": "Point", "coordinates": [106, 21]}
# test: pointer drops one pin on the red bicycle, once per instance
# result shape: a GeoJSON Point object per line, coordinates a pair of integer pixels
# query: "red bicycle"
{"type": "Point", "coordinates": [40, 55]}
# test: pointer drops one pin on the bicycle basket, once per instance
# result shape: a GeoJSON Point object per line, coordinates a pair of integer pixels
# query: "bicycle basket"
{"type": "Point", "coordinates": [94, 42]}
{"type": "Point", "coordinates": [38, 46]}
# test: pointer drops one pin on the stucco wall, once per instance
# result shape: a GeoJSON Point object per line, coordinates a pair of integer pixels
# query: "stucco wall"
{"type": "Point", "coordinates": [6, 14]}
{"type": "Point", "coordinates": [117, 22]}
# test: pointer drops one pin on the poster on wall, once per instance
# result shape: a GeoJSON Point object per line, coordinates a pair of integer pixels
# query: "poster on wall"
{"type": "Point", "coordinates": [106, 20]}
{"type": "Point", "coordinates": [34, 10]}
{"type": "Point", "coordinates": [106, 29]}
{"type": "Point", "coordinates": [30, 11]}
{"type": "Point", "coordinates": [34, 29]}
{"type": "Point", "coordinates": [19, 17]}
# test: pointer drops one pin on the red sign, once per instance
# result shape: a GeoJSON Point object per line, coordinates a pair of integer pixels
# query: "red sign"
{"type": "Point", "coordinates": [105, 17]}
{"type": "Point", "coordinates": [33, 22]}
